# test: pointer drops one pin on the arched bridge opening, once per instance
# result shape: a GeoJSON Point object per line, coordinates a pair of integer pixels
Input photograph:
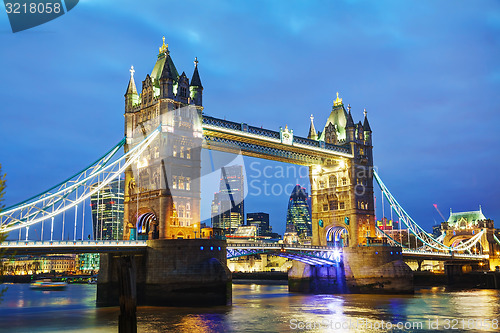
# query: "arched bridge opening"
{"type": "Point", "coordinates": [147, 227]}
{"type": "Point", "coordinates": [337, 237]}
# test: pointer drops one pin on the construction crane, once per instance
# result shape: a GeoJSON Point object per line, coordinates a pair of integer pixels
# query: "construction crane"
{"type": "Point", "coordinates": [436, 206]}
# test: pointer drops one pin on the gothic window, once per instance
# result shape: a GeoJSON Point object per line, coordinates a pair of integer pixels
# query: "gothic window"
{"type": "Point", "coordinates": [321, 184]}
{"type": "Point", "coordinates": [332, 181]}
{"type": "Point", "coordinates": [181, 183]}
{"type": "Point", "coordinates": [183, 91]}
{"type": "Point", "coordinates": [188, 206]}
{"type": "Point", "coordinates": [181, 154]}
{"type": "Point", "coordinates": [361, 151]}
{"type": "Point", "coordinates": [188, 153]}
{"type": "Point", "coordinates": [344, 181]}
{"type": "Point", "coordinates": [188, 183]}
{"type": "Point", "coordinates": [334, 205]}
{"type": "Point", "coordinates": [325, 207]}
{"type": "Point", "coordinates": [174, 151]}
{"type": "Point", "coordinates": [181, 211]}
{"type": "Point", "coordinates": [331, 134]}
{"type": "Point", "coordinates": [174, 182]}
{"type": "Point", "coordinates": [342, 205]}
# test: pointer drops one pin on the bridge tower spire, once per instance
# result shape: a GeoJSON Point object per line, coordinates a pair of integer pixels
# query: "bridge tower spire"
{"type": "Point", "coordinates": [196, 88]}
{"type": "Point", "coordinates": [350, 128]}
{"type": "Point", "coordinates": [313, 135]}
{"type": "Point", "coordinates": [131, 96]}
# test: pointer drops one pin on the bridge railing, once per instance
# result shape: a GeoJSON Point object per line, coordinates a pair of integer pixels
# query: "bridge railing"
{"type": "Point", "coordinates": [278, 245]}
{"type": "Point", "coordinates": [261, 131]}
{"type": "Point", "coordinates": [436, 253]}
{"type": "Point", "coordinates": [307, 142]}
{"type": "Point", "coordinates": [89, 243]}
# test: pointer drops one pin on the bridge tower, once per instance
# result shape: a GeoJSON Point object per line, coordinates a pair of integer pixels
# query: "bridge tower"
{"type": "Point", "coordinates": [162, 191]}
{"type": "Point", "coordinates": [342, 188]}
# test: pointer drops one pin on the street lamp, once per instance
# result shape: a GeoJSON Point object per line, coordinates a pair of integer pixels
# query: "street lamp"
{"type": "Point", "coordinates": [195, 229]}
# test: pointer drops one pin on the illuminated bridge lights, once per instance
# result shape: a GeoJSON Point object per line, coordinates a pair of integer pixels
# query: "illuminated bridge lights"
{"type": "Point", "coordinates": [312, 255]}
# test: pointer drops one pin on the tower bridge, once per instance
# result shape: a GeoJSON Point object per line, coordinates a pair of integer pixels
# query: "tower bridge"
{"type": "Point", "coordinates": [166, 128]}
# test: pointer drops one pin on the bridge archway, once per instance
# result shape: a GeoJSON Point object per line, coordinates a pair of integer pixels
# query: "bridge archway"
{"type": "Point", "coordinates": [147, 224]}
{"type": "Point", "coordinates": [337, 236]}
{"type": "Point", "coordinates": [475, 249]}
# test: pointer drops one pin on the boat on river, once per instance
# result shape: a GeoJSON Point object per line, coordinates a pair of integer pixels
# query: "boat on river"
{"type": "Point", "coordinates": [47, 284]}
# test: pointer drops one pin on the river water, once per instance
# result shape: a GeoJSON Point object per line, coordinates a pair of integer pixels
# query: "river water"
{"type": "Point", "coordinates": [258, 308]}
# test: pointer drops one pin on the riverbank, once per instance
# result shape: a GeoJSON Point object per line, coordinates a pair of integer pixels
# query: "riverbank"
{"type": "Point", "coordinates": [260, 276]}
{"type": "Point", "coordinates": [30, 278]}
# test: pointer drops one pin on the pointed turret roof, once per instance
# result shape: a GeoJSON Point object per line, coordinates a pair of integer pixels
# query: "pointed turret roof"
{"type": "Point", "coordinates": [196, 81]}
{"type": "Point", "coordinates": [350, 122]}
{"type": "Point", "coordinates": [338, 117]}
{"type": "Point", "coordinates": [366, 125]}
{"type": "Point", "coordinates": [359, 127]}
{"type": "Point", "coordinates": [131, 89]}
{"type": "Point", "coordinates": [167, 72]}
{"type": "Point", "coordinates": [183, 76]}
{"type": "Point", "coordinates": [312, 131]}
{"type": "Point", "coordinates": [164, 58]}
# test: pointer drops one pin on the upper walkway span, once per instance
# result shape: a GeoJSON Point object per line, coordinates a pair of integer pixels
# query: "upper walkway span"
{"type": "Point", "coordinates": [280, 146]}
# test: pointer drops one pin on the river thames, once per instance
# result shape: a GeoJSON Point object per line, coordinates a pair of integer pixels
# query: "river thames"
{"type": "Point", "coordinates": [258, 308]}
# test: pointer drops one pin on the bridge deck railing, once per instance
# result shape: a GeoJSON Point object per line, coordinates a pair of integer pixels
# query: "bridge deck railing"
{"type": "Point", "coordinates": [286, 246]}
{"type": "Point", "coordinates": [436, 253]}
{"type": "Point", "coordinates": [20, 243]}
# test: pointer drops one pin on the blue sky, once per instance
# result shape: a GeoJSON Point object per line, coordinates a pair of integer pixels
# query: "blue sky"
{"type": "Point", "coordinates": [426, 71]}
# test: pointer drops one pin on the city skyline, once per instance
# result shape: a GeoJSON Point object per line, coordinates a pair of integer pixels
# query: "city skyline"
{"type": "Point", "coordinates": [228, 205]}
{"type": "Point", "coordinates": [427, 146]}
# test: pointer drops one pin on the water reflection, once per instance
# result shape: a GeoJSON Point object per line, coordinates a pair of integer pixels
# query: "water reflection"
{"type": "Point", "coordinates": [255, 308]}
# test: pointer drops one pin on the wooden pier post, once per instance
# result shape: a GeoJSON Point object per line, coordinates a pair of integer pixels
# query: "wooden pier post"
{"type": "Point", "coordinates": [127, 321]}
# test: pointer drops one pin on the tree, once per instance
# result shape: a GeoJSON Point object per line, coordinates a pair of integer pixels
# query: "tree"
{"type": "Point", "coordinates": [3, 182]}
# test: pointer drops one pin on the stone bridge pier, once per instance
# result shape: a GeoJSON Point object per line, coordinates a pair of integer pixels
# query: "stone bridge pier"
{"type": "Point", "coordinates": [171, 272]}
{"type": "Point", "coordinates": [366, 269]}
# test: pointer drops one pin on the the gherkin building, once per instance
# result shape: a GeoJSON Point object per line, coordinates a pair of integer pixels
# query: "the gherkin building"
{"type": "Point", "coordinates": [299, 212]}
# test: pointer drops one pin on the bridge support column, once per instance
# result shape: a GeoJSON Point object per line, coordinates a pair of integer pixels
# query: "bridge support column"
{"type": "Point", "coordinates": [419, 263]}
{"type": "Point", "coordinates": [364, 269]}
{"type": "Point", "coordinates": [316, 279]}
{"type": "Point", "coordinates": [173, 272]}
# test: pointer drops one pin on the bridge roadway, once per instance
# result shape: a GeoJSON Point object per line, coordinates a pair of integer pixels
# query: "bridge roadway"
{"type": "Point", "coordinates": [315, 255]}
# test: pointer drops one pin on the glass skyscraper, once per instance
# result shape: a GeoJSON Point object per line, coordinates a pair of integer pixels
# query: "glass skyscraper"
{"type": "Point", "coordinates": [107, 211]}
{"type": "Point", "coordinates": [261, 221]}
{"type": "Point", "coordinates": [299, 212]}
{"type": "Point", "coordinates": [228, 209]}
